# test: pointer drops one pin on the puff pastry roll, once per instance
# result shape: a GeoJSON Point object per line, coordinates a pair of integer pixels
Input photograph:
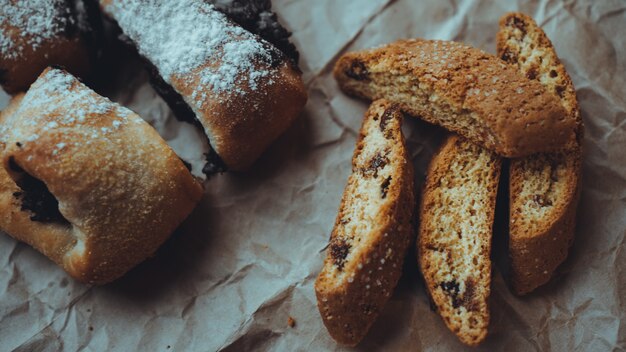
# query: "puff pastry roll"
{"type": "Point", "coordinates": [241, 89]}
{"type": "Point", "coordinates": [35, 34]}
{"type": "Point", "coordinates": [87, 182]}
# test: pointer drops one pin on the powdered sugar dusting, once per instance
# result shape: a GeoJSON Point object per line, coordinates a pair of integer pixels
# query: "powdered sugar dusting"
{"type": "Point", "coordinates": [179, 36]}
{"type": "Point", "coordinates": [58, 102]}
{"type": "Point", "coordinates": [30, 23]}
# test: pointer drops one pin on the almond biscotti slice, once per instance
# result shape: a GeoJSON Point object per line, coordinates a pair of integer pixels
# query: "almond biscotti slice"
{"type": "Point", "coordinates": [544, 188]}
{"type": "Point", "coordinates": [463, 89]}
{"type": "Point", "coordinates": [454, 243]}
{"type": "Point", "coordinates": [372, 230]}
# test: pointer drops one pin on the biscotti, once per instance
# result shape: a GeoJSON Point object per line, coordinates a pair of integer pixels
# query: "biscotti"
{"type": "Point", "coordinates": [35, 34]}
{"type": "Point", "coordinates": [544, 188]}
{"type": "Point", "coordinates": [242, 90]}
{"type": "Point", "coordinates": [372, 230]}
{"type": "Point", "coordinates": [463, 89]}
{"type": "Point", "coordinates": [455, 230]}
{"type": "Point", "coordinates": [87, 182]}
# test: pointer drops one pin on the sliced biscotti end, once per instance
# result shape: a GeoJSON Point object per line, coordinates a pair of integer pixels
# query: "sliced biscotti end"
{"type": "Point", "coordinates": [521, 42]}
{"type": "Point", "coordinates": [544, 194]}
{"type": "Point", "coordinates": [544, 188]}
{"type": "Point", "coordinates": [372, 230]}
{"type": "Point", "coordinates": [463, 89]}
{"type": "Point", "coordinates": [454, 244]}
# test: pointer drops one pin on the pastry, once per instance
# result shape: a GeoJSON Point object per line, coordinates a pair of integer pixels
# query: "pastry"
{"type": "Point", "coordinates": [35, 34]}
{"type": "Point", "coordinates": [455, 228]}
{"type": "Point", "coordinates": [463, 89]}
{"type": "Point", "coordinates": [372, 231]}
{"type": "Point", "coordinates": [87, 182]}
{"type": "Point", "coordinates": [256, 16]}
{"type": "Point", "coordinates": [544, 188]}
{"type": "Point", "coordinates": [242, 90]}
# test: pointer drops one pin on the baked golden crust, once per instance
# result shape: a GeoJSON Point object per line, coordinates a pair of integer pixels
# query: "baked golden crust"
{"type": "Point", "coordinates": [455, 230]}
{"type": "Point", "coordinates": [241, 126]}
{"type": "Point", "coordinates": [259, 102]}
{"type": "Point", "coordinates": [462, 89]}
{"type": "Point", "coordinates": [372, 230]}
{"type": "Point", "coordinates": [544, 188]}
{"type": "Point", "coordinates": [26, 57]}
{"type": "Point", "coordinates": [119, 186]}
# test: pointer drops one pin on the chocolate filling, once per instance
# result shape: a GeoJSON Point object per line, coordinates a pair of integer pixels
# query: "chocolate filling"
{"type": "Point", "coordinates": [253, 15]}
{"type": "Point", "coordinates": [36, 198]}
{"type": "Point", "coordinates": [3, 75]}
{"type": "Point", "coordinates": [256, 16]}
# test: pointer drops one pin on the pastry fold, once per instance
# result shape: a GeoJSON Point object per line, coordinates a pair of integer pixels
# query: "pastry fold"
{"type": "Point", "coordinates": [87, 182]}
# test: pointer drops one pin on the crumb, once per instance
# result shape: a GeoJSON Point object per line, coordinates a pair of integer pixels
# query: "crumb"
{"type": "Point", "coordinates": [291, 322]}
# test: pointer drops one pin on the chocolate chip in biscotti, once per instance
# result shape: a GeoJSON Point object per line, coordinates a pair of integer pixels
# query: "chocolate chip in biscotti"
{"type": "Point", "coordinates": [357, 71]}
{"type": "Point", "coordinates": [339, 250]}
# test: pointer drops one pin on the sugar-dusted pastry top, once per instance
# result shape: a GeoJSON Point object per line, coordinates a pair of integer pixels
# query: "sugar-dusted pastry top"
{"type": "Point", "coordinates": [31, 23]}
{"type": "Point", "coordinates": [241, 89]}
{"type": "Point", "coordinates": [53, 96]}
{"type": "Point", "coordinates": [257, 17]}
{"type": "Point", "coordinates": [99, 190]}
{"type": "Point", "coordinates": [191, 38]}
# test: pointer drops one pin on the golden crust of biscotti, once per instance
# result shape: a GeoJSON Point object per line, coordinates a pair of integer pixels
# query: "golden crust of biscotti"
{"type": "Point", "coordinates": [454, 241]}
{"type": "Point", "coordinates": [544, 188]}
{"type": "Point", "coordinates": [462, 89]}
{"type": "Point", "coordinates": [243, 120]}
{"type": "Point", "coordinates": [372, 231]}
{"type": "Point", "coordinates": [120, 187]}
{"type": "Point", "coordinates": [26, 57]}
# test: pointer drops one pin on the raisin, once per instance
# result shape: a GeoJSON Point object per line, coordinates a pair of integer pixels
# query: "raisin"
{"type": "Point", "coordinates": [553, 74]}
{"type": "Point", "coordinates": [519, 24]}
{"type": "Point", "coordinates": [376, 163]}
{"type": "Point", "coordinates": [560, 90]}
{"type": "Point", "coordinates": [384, 187]}
{"type": "Point", "coordinates": [532, 73]}
{"type": "Point", "coordinates": [384, 120]}
{"type": "Point", "coordinates": [509, 56]}
{"type": "Point", "coordinates": [358, 71]}
{"type": "Point", "coordinates": [541, 200]}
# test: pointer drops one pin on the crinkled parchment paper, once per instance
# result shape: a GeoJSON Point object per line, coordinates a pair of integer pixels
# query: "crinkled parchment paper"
{"type": "Point", "coordinates": [246, 259]}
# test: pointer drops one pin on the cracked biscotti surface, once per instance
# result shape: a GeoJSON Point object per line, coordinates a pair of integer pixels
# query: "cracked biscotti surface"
{"type": "Point", "coordinates": [544, 188]}
{"type": "Point", "coordinates": [463, 89]}
{"type": "Point", "coordinates": [455, 229]}
{"type": "Point", "coordinates": [87, 182]}
{"type": "Point", "coordinates": [372, 230]}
